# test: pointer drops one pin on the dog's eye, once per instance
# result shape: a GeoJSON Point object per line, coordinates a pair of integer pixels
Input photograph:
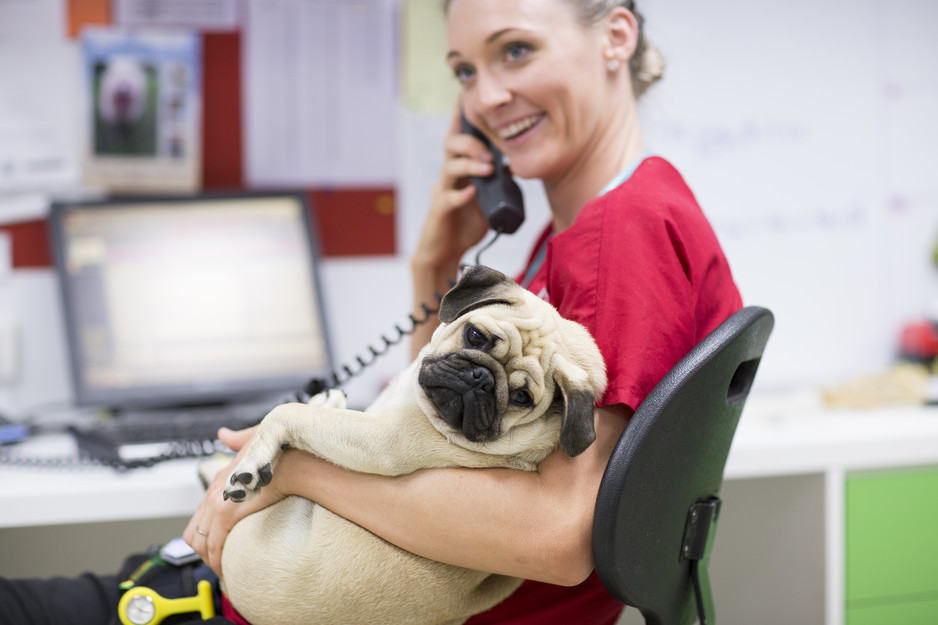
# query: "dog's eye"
{"type": "Point", "coordinates": [475, 338]}
{"type": "Point", "coordinates": [521, 398]}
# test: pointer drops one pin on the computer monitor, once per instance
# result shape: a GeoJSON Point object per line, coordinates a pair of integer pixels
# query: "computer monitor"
{"type": "Point", "coordinates": [189, 300]}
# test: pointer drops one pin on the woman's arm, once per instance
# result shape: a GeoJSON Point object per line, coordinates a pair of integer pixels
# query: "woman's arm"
{"type": "Point", "coordinates": [453, 224]}
{"type": "Point", "coordinates": [534, 525]}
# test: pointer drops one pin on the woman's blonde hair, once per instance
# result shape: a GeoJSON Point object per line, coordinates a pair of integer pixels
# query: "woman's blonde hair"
{"type": "Point", "coordinates": [647, 63]}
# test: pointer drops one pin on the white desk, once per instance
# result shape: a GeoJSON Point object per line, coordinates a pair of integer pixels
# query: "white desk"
{"type": "Point", "coordinates": [83, 494]}
{"type": "Point", "coordinates": [814, 451]}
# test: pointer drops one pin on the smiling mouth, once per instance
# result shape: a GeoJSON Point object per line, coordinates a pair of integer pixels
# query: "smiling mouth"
{"type": "Point", "coordinates": [519, 127]}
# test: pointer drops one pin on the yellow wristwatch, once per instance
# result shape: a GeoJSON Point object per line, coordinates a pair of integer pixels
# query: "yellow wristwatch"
{"type": "Point", "coordinates": [144, 606]}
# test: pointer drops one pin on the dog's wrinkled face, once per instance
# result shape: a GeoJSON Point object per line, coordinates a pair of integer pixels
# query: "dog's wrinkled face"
{"type": "Point", "coordinates": [505, 371]}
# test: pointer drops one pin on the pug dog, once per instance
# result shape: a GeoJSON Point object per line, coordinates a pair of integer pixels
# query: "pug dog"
{"type": "Point", "coordinates": [504, 381]}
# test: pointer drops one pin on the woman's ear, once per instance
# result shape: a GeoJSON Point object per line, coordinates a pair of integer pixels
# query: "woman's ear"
{"type": "Point", "coordinates": [621, 35]}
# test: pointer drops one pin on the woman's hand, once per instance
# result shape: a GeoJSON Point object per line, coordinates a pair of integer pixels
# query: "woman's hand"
{"type": "Point", "coordinates": [454, 223]}
{"type": "Point", "coordinates": [209, 527]}
{"type": "Point", "coordinates": [452, 226]}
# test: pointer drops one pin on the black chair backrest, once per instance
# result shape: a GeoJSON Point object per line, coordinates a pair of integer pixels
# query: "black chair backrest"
{"type": "Point", "coordinates": [649, 540]}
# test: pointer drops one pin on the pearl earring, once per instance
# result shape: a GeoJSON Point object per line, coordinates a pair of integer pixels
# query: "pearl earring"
{"type": "Point", "coordinates": [612, 65]}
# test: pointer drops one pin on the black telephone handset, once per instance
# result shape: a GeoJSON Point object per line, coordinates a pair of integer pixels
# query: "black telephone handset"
{"type": "Point", "coordinates": [498, 194]}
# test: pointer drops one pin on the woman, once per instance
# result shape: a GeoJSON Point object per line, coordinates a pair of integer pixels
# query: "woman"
{"type": "Point", "coordinates": [628, 253]}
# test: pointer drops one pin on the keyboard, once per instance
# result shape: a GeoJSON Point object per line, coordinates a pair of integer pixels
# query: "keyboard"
{"type": "Point", "coordinates": [181, 424]}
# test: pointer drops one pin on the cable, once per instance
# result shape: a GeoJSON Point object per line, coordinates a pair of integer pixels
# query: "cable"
{"type": "Point", "coordinates": [498, 233]}
{"type": "Point", "coordinates": [176, 450]}
{"type": "Point", "coordinates": [346, 372]}
{"type": "Point", "coordinates": [341, 376]}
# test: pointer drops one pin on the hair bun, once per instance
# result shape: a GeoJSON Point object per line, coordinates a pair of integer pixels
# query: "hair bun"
{"type": "Point", "coordinates": [648, 67]}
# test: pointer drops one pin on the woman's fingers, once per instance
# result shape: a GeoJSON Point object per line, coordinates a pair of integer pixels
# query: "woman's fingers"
{"type": "Point", "coordinates": [458, 169]}
{"type": "Point", "coordinates": [454, 222]}
{"type": "Point", "coordinates": [236, 439]}
{"type": "Point", "coordinates": [213, 519]}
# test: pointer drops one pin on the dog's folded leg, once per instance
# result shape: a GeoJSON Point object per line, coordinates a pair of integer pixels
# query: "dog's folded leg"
{"type": "Point", "coordinates": [256, 470]}
{"type": "Point", "coordinates": [345, 437]}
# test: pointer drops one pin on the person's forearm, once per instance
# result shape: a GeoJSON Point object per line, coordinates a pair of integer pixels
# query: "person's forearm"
{"type": "Point", "coordinates": [530, 525]}
{"type": "Point", "coordinates": [466, 517]}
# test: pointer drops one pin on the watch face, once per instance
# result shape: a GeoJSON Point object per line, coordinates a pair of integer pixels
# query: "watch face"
{"type": "Point", "coordinates": [140, 610]}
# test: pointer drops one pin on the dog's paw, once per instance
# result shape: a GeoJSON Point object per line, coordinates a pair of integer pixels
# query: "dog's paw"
{"type": "Point", "coordinates": [329, 398]}
{"type": "Point", "coordinates": [246, 481]}
{"type": "Point", "coordinates": [255, 470]}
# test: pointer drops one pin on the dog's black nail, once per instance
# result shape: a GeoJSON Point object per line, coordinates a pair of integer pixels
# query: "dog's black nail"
{"type": "Point", "coordinates": [264, 475]}
{"type": "Point", "coordinates": [285, 447]}
{"type": "Point", "coordinates": [224, 495]}
{"type": "Point", "coordinates": [243, 478]}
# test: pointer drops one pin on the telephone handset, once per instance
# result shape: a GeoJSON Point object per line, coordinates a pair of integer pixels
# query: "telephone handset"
{"type": "Point", "coordinates": [498, 194]}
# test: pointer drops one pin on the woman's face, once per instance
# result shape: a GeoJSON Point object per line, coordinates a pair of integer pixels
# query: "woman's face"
{"type": "Point", "coordinates": [533, 79]}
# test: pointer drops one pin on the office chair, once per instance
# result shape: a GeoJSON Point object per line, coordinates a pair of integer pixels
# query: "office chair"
{"type": "Point", "coordinates": [658, 503]}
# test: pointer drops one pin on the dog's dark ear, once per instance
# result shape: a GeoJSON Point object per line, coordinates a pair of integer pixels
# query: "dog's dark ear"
{"type": "Point", "coordinates": [479, 286]}
{"type": "Point", "coordinates": [577, 431]}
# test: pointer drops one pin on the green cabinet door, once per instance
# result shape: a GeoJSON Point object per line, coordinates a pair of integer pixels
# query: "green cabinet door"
{"type": "Point", "coordinates": [892, 548]}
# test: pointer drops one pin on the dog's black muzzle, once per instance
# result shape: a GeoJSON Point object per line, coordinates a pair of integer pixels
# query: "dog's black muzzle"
{"type": "Point", "coordinates": [464, 391]}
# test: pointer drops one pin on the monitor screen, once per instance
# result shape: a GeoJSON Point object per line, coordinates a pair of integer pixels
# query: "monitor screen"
{"type": "Point", "coordinates": [189, 300]}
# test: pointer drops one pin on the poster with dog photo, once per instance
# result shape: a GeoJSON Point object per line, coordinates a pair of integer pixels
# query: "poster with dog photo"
{"type": "Point", "coordinates": [144, 110]}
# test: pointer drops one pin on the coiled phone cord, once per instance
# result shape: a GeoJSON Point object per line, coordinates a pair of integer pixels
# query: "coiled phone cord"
{"type": "Point", "coordinates": [346, 372]}
{"type": "Point", "coordinates": [176, 450]}
{"type": "Point", "coordinates": [340, 377]}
